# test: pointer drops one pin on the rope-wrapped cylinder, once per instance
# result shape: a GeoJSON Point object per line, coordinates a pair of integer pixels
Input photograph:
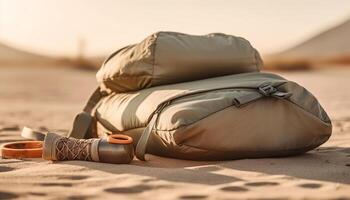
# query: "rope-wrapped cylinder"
{"type": "Point", "coordinates": [61, 148]}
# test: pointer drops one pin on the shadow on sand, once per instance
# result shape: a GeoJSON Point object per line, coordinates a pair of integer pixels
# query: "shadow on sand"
{"type": "Point", "coordinates": [323, 164]}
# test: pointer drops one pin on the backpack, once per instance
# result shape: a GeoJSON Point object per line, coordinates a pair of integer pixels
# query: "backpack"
{"type": "Point", "coordinates": [201, 98]}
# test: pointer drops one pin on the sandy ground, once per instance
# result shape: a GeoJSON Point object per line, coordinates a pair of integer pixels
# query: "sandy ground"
{"type": "Point", "coordinates": [49, 99]}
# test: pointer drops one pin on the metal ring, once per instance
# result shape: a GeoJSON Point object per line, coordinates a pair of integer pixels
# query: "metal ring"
{"type": "Point", "coordinates": [22, 149]}
{"type": "Point", "coordinates": [119, 139]}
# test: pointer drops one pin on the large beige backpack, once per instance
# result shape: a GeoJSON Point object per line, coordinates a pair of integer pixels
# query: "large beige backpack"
{"type": "Point", "coordinates": [201, 98]}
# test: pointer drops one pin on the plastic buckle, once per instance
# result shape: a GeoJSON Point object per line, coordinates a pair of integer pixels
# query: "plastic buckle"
{"type": "Point", "coordinates": [267, 89]}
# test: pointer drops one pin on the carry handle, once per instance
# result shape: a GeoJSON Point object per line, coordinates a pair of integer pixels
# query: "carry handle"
{"type": "Point", "coordinates": [82, 123]}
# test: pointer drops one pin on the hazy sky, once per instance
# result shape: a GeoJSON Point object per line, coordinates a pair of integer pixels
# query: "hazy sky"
{"type": "Point", "coordinates": [54, 26]}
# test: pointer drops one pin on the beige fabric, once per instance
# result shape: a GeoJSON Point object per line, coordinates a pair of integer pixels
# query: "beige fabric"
{"type": "Point", "coordinates": [288, 127]}
{"type": "Point", "coordinates": [169, 57]}
{"type": "Point", "coordinates": [247, 133]}
{"type": "Point", "coordinates": [202, 121]}
{"type": "Point", "coordinates": [126, 111]}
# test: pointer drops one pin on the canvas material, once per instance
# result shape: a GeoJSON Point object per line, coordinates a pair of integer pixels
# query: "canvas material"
{"type": "Point", "coordinates": [203, 124]}
{"type": "Point", "coordinates": [169, 57]}
{"type": "Point", "coordinates": [247, 130]}
{"type": "Point", "coordinates": [124, 111]}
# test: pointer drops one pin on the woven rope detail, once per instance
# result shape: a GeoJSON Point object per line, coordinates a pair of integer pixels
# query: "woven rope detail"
{"type": "Point", "coordinates": [73, 149]}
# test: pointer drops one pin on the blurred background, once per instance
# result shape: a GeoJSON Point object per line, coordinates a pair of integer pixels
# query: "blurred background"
{"type": "Point", "coordinates": [81, 33]}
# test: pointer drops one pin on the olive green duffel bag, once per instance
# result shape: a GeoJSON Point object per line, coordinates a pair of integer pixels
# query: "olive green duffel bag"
{"type": "Point", "coordinates": [169, 57]}
{"type": "Point", "coordinates": [226, 116]}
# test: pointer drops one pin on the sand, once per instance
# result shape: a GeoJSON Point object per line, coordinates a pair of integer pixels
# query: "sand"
{"type": "Point", "coordinates": [49, 98]}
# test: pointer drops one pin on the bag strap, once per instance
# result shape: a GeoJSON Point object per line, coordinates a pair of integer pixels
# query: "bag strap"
{"type": "Point", "coordinates": [29, 133]}
{"type": "Point", "coordinates": [83, 120]}
{"type": "Point", "coordinates": [81, 125]}
{"type": "Point", "coordinates": [93, 100]}
{"type": "Point", "coordinates": [142, 144]}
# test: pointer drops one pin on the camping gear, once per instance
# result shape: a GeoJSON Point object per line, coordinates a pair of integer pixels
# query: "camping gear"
{"type": "Point", "coordinates": [169, 57]}
{"type": "Point", "coordinates": [192, 97]}
{"type": "Point", "coordinates": [116, 149]}
{"type": "Point", "coordinates": [201, 98]}
{"type": "Point", "coordinates": [247, 115]}
{"type": "Point", "coordinates": [32, 134]}
{"type": "Point", "coordinates": [22, 149]}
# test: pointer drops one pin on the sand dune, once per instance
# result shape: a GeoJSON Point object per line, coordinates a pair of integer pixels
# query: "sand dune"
{"type": "Point", "coordinates": [327, 44]}
{"type": "Point", "coordinates": [14, 56]}
{"type": "Point", "coordinates": [10, 56]}
{"type": "Point", "coordinates": [331, 46]}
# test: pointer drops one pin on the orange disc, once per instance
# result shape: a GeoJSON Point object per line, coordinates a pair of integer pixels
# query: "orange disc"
{"type": "Point", "coordinates": [22, 149]}
{"type": "Point", "coordinates": [119, 139]}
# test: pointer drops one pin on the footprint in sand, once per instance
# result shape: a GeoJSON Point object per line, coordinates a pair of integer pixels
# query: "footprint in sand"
{"type": "Point", "coordinates": [129, 190]}
{"type": "Point", "coordinates": [9, 128]}
{"type": "Point", "coordinates": [134, 189]}
{"type": "Point", "coordinates": [78, 197]}
{"type": "Point", "coordinates": [123, 190]}
{"type": "Point", "coordinates": [74, 177]}
{"type": "Point", "coordinates": [5, 169]}
{"type": "Point", "coordinates": [258, 184]}
{"type": "Point", "coordinates": [147, 180]}
{"type": "Point", "coordinates": [37, 194]}
{"type": "Point", "coordinates": [56, 184]}
{"type": "Point", "coordinates": [310, 185]}
{"type": "Point", "coordinates": [9, 162]}
{"type": "Point", "coordinates": [234, 189]}
{"type": "Point", "coordinates": [7, 195]}
{"type": "Point", "coordinates": [193, 196]}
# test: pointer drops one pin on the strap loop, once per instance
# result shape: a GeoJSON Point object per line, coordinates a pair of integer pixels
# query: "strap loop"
{"type": "Point", "coordinates": [33, 135]}
{"type": "Point", "coordinates": [82, 122]}
{"type": "Point", "coordinates": [81, 126]}
{"type": "Point", "coordinates": [141, 146]}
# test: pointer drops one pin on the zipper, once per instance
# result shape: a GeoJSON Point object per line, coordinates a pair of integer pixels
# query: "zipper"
{"type": "Point", "coordinates": [164, 104]}
{"type": "Point", "coordinates": [141, 147]}
{"type": "Point", "coordinates": [265, 89]}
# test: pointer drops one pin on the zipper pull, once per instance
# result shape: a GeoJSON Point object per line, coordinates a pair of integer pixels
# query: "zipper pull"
{"type": "Point", "coordinates": [267, 89]}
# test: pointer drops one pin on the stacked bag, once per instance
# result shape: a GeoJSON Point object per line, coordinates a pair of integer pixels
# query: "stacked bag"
{"type": "Point", "coordinates": [201, 98]}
